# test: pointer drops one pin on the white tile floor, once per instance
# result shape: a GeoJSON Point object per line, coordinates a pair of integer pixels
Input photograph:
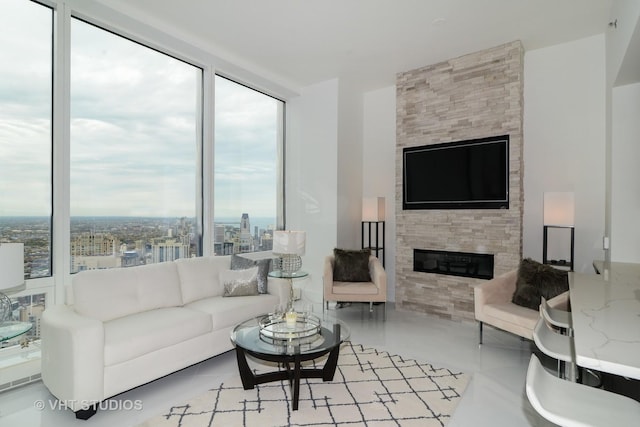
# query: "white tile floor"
{"type": "Point", "coordinates": [495, 396]}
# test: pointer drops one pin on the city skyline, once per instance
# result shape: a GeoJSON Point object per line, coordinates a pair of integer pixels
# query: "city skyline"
{"type": "Point", "coordinates": [141, 233]}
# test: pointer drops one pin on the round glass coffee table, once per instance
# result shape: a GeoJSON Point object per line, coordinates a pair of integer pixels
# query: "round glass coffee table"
{"type": "Point", "coordinates": [271, 338]}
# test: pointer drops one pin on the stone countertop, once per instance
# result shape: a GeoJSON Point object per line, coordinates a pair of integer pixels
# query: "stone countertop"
{"type": "Point", "coordinates": [606, 319]}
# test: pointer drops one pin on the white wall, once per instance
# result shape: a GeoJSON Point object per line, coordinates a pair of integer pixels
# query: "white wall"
{"type": "Point", "coordinates": [625, 178]}
{"type": "Point", "coordinates": [378, 173]}
{"type": "Point", "coordinates": [311, 176]}
{"type": "Point", "coordinates": [349, 188]}
{"type": "Point", "coordinates": [620, 52]}
{"type": "Point", "coordinates": [623, 47]}
{"type": "Point", "coordinates": [564, 141]}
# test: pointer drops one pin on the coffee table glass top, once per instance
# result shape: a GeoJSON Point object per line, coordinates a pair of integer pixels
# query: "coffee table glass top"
{"type": "Point", "coordinates": [10, 330]}
{"type": "Point", "coordinates": [298, 341]}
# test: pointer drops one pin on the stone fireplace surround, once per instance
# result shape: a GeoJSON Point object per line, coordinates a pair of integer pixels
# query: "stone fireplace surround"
{"type": "Point", "coordinates": [473, 96]}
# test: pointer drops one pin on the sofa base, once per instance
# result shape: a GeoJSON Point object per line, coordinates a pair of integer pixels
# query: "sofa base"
{"type": "Point", "coordinates": [85, 414]}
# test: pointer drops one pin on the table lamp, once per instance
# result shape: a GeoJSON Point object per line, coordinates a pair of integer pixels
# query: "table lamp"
{"type": "Point", "coordinates": [288, 246]}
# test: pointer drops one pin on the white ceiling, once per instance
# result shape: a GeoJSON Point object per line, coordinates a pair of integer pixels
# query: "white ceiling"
{"type": "Point", "coordinates": [300, 42]}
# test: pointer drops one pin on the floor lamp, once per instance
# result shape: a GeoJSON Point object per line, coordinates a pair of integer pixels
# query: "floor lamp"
{"type": "Point", "coordinates": [558, 215]}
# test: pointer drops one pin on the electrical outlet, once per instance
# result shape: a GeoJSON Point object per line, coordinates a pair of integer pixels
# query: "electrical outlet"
{"type": "Point", "coordinates": [297, 294]}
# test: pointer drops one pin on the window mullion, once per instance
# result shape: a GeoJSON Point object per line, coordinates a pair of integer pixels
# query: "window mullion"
{"type": "Point", "coordinates": [61, 149]}
{"type": "Point", "coordinates": [208, 160]}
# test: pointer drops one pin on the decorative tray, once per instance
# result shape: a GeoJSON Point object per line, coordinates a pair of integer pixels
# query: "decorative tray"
{"type": "Point", "coordinates": [276, 327]}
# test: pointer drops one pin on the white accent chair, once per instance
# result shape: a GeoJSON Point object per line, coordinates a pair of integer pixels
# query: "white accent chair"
{"type": "Point", "coordinates": [575, 405]}
{"type": "Point", "coordinates": [493, 306]}
{"type": "Point", "coordinates": [374, 291]}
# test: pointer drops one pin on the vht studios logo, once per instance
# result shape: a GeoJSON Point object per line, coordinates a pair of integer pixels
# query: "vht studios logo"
{"type": "Point", "coordinates": [105, 405]}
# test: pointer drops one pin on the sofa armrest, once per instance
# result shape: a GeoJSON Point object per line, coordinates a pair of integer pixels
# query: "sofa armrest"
{"type": "Point", "coordinates": [378, 275]}
{"type": "Point", "coordinates": [72, 356]}
{"type": "Point", "coordinates": [327, 275]}
{"type": "Point", "coordinates": [500, 289]}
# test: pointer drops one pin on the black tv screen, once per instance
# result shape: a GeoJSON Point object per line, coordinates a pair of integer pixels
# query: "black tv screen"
{"type": "Point", "coordinates": [472, 174]}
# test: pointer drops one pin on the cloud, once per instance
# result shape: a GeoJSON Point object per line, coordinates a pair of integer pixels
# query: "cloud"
{"type": "Point", "coordinates": [133, 127]}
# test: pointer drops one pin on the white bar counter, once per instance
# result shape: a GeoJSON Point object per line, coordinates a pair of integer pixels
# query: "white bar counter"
{"type": "Point", "coordinates": [605, 313]}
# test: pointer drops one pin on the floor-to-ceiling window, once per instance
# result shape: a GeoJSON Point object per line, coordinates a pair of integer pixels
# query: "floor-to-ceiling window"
{"type": "Point", "coordinates": [25, 131]}
{"type": "Point", "coordinates": [134, 152]}
{"type": "Point", "coordinates": [248, 173]}
{"type": "Point", "coordinates": [26, 149]}
{"type": "Point", "coordinates": [129, 172]}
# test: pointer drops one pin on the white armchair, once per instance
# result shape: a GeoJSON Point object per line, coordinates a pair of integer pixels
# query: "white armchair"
{"type": "Point", "coordinates": [493, 306]}
{"type": "Point", "coordinates": [374, 291]}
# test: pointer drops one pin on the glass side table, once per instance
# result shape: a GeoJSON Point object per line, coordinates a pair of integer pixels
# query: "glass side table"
{"type": "Point", "coordinates": [288, 275]}
{"type": "Point", "coordinates": [10, 330]}
{"type": "Point", "coordinates": [279, 274]}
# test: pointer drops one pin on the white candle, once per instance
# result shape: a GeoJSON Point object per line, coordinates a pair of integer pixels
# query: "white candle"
{"type": "Point", "coordinates": [291, 318]}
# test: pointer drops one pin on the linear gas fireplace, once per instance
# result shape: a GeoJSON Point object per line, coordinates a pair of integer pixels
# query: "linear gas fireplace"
{"type": "Point", "coordinates": [464, 264]}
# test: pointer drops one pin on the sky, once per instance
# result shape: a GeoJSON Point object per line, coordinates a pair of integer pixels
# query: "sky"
{"type": "Point", "coordinates": [134, 119]}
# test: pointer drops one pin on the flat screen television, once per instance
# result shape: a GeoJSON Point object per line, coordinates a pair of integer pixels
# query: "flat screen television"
{"type": "Point", "coordinates": [471, 174]}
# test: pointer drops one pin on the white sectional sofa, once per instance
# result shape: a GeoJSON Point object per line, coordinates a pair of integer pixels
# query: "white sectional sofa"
{"type": "Point", "coordinates": [121, 328]}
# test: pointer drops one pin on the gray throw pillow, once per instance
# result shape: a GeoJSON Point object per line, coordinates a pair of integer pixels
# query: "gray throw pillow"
{"type": "Point", "coordinates": [351, 265]}
{"type": "Point", "coordinates": [239, 283]}
{"type": "Point", "coordinates": [264, 266]}
{"type": "Point", "coordinates": [537, 280]}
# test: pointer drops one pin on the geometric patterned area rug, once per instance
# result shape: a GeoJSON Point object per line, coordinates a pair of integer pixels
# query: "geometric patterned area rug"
{"type": "Point", "coordinates": [370, 388]}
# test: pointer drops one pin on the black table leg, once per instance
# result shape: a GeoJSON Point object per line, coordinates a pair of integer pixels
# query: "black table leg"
{"type": "Point", "coordinates": [248, 379]}
{"type": "Point", "coordinates": [329, 369]}
{"type": "Point", "coordinates": [296, 384]}
{"type": "Point", "coordinates": [294, 373]}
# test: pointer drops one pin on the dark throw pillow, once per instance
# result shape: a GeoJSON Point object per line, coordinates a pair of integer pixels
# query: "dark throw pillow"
{"type": "Point", "coordinates": [241, 263]}
{"type": "Point", "coordinates": [351, 265]}
{"type": "Point", "coordinates": [537, 280]}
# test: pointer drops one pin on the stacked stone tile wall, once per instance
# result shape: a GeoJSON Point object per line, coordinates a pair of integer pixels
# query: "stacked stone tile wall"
{"type": "Point", "coordinates": [474, 96]}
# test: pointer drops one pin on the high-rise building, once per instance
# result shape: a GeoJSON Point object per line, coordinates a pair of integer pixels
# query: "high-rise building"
{"type": "Point", "coordinates": [94, 244]}
{"type": "Point", "coordinates": [169, 249]}
{"type": "Point", "coordinates": [218, 233]}
{"type": "Point", "coordinates": [246, 241]}
{"type": "Point", "coordinates": [91, 251]}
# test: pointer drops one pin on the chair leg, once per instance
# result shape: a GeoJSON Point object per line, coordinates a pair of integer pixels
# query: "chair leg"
{"type": "Point", "coordinates": [480, 331]}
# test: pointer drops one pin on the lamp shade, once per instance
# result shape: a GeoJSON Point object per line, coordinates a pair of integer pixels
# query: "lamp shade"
{"type": "Point", "coordinates": [289, 242]}
{"type": "Point", "coordinates": [11, 265]}
{"type": "Point", "coordinates": [559, 209]}
{"type": "Point", "coordinates": [373, 209]}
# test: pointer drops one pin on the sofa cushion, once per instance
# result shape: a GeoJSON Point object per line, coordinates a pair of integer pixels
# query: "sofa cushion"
{"type": "Point", "coordinates": [239, 283]}
{"type": "Point", "coordinates": [351, 265]}
{"type": "Point", "coordinates": [132, 336]}
{"type": "Point", "coordinates": [537, 280]}
{"type": "Point", "coordinates": [511, 313]}
{"type": "Point", "coordinates": [363, 288]}
{"type": "Point", "coordinates": [228, 312]}
{"type": "Point", "coordinates": [264, 266]}
{"type": "Point", "coordinates": [199, 277]}
{"type": "Point", "coordinates": [117, 292]}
